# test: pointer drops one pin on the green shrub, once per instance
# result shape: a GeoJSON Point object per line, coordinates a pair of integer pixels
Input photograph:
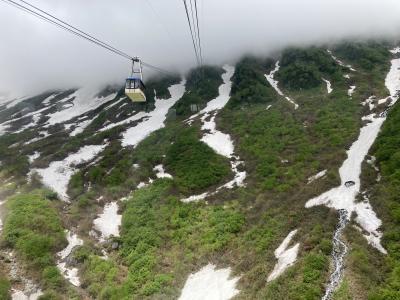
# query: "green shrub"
{"type": "Point", "coordinates": [33, 228]}
{"type": "Point", "coordinates": [195, 166]}
{"type": "Point", "coordinates": [5, 287]}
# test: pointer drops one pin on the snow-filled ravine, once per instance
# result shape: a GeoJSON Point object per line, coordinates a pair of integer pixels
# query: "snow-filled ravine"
{"type": "Point", "coordinates": [339, 252]}
{"type": "Point", "coordinates": [57, 175]}
{"type": "Point", "coordinates": [286, 257]}
{"type": "Point", "coordinates": [211, 284]}
{"type": "Point", "coordinates": [151, 121]}
{"type": "Point", "coordinates": [339, 62]}
{"type": "Point", "coordinates": [69, 272]}
{"type": "Point", "coordinates": [274, 83]}
{"type": "Point", "coordinates": [328, 85]}
{"type": "Point", "coordinates": [108, 222]}
{"type": "Point", "coordinates": [83, 101]}
{"type": "Point", "coordinates": [343, 197]}
{"type": "Point", "coordinates": [220, 142]}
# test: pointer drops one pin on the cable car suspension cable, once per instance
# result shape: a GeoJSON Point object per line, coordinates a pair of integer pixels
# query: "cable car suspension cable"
{"type": "Point", "coordinates": [77, 32]}
{"type": "Point", "coordinates": [198, 32]}
{"type": "Point", "coordinates": [191, 32]}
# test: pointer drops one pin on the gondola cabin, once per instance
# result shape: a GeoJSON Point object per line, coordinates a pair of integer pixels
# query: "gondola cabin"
{"type": "Point", "coordinates": [134, 89]}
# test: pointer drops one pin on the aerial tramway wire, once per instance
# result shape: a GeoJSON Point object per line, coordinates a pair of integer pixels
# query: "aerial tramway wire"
{"type": "Point", "coordinates": [77, 32]}
{"type": "Point", "coordinates": [198, 32]}
{"type": "Point", "coordinates": [191, 32]}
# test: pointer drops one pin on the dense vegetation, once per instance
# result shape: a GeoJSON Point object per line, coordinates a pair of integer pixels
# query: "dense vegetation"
{"type": "Point", "coordinates": [34, 230]}
{"type": "Point", "coordinates": [157, 228]}
{"type": "Point", "coordinates": [4, 287]}
{"type": "Point", "coordinates": [201, 86]}
{"type": "Point", "coordinates": [249, 83]}
{"type": "Point", "coordinates": [387, 199]}
{"type": "Point", "coordinates": [367, 55]}
{"type": "Point", "coordinates": [305, 68]}
{"type": "Point", "coordinates": [195, 165]}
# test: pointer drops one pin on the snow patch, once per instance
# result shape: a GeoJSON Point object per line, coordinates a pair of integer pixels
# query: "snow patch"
{"type": "Point", "coordinates": [286, 257]}
{"type": "Point", "coordinates": [108, 222]}
{"type": "Point", "coordinates": [33, 157]}
{"type": "Point", "coordinates": [153, 120]}
{"type": "Point", "coordinates": [161, 172]}
{"type": "Point", "coordinates": [328, 85]}
{"type": "Point", "coordinates": [69, 273]}
{"type": "Point", "coordinates": [395, 50]}
{"type": "Point", "coordinates": [351, 90]}
{"type": "Point", "coordinates": [274, 83]}
{"type": "Point", "coordinates": [84, 100]}
{"type": "Point", "coordinates": [58, 174]}
{"type": "Point", "coordinates": [210, 284]}
{"type": "Point", "coordinates": [316, 176]}
{"type": "Point", "coordinates": [20, 295]}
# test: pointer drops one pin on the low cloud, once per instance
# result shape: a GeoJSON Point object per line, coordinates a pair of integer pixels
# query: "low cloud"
{"type": "Point", "coordinates": [35, 56]}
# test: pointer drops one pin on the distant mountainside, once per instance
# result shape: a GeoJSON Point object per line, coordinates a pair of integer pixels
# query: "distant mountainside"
{"type": "Point", "coordinates": [276, 178]}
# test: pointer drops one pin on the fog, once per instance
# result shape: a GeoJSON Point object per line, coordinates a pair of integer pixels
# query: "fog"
{"type": "Point", "coordinates": [36, 56]}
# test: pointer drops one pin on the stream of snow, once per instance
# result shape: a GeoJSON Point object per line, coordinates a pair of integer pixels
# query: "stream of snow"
{"type": "Point", "coordinates": [153, 120]}
{"type": "Point", "coordinates": [328, 85]}
{"type": "Point", "coordinates": [220, 142]}
{"type": "Point", "coordinates": [339, 62]}
{"type": "Point", "coordinates": [339, 252]}
{"type": "Point", "coordinates": [58, 174]}
{"type": "Point", "coordinates": [83, 101]}
{"type": "Point", "coordinates": [274, 83]}
{"type": "Point", "coordinates": [69, 273]}
{"type": "Point", "coordinates": [343, 198]}
{"type": "Point", "coordinates": [286, 257]}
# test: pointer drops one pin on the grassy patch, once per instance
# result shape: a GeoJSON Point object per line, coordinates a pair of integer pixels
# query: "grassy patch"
{"type": "Point", "coordinates": [33, 228]}
{"type": "Point", "coordinates": [195, 165]}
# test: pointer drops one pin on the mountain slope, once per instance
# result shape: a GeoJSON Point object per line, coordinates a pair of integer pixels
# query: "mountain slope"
{"type": "Point", "coordinates": [211, 177]}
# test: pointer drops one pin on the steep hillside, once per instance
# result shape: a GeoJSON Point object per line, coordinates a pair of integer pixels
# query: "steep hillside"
{"type": "Point", "coordinates": [235, 182]}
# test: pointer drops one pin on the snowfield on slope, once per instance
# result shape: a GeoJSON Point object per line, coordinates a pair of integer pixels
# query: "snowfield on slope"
{"type": "Point", "coordinates": [286, 257]}
{"type": "Point", "coordinates": [84, 100]}
{"type": "Point", "coordinates": [58, 174]}
{"type": "Point", "coordinates": [210, 284]}
{"type": "Point", "coordinates": [69, 273]}
{"type": "Point", "coordinates": [153, 120]}
{"type": "Point", "coordinates": [274, 83]}
{"type": "Point", "coordinates": [108, 222]}
{"type": "Point", "coordinates": [343, 197]}
{"type": "Point", "coordinates": [220, 142]}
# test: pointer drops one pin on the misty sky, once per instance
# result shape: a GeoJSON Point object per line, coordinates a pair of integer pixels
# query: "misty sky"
{"type": "Point", "coordinates": [35, 56]}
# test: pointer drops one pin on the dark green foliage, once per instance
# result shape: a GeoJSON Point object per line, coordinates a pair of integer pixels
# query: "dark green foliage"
{"type": "Point", "coordinates": [304, 68]}
{"type": "Point", "coordinates": [249, 85]}
{"type": "Point", "coordinates": [367, 55]}
{"type": "Point", "coordinates": [195, 166]}
{"type": "Point", "coordinates": [201, 86]}
{"type": "Point", "coordinates": [4, 288]}
{"type": "Point", "coordinates": [387, 152]}
{"type": "Point", "coordinates": [33, 228]}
